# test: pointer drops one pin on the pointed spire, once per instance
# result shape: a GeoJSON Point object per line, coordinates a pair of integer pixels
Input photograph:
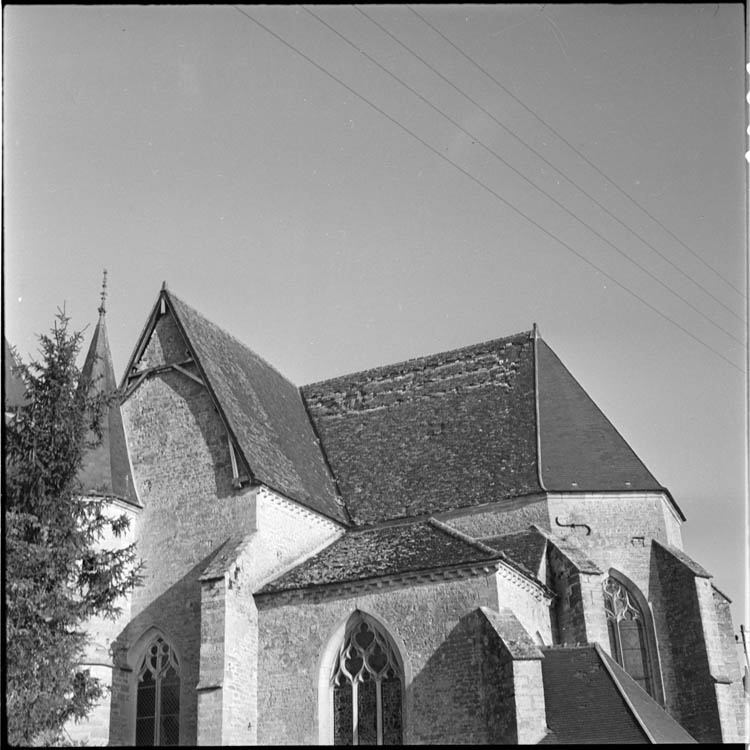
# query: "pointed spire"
{"type": "Point", "coordinates": [103, 295]}
{"type": "Point", "coordinates": [105, 469]}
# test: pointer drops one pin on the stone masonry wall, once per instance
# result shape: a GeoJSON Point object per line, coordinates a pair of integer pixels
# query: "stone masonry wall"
{"type": "Point", "coordinates": [734, 705]}
{"type": "Point", "coordinates": [689, 688]}
{"type": "Point", "coordinates": [442, 703]}
{"type": "Point", "coordinates": [527, 603]}
{"type": "Point", "coordinates": [229, 633]}
{"type": "Point", "coordinates": [182, 471]}
{"type": "Point", "coordinates": [622, 527]}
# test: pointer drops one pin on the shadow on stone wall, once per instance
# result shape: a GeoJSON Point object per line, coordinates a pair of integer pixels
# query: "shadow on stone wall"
{"type": "Point", "coordinates": [456, 697]}
{"type": "Point", "coordinates": [177, 613]}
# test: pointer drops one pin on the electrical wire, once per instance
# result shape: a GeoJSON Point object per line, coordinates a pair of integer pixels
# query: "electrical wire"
{"type": "Point", "coordinates": [549, 163]}
{"type": "Point", "coordinates": [485, 187]}
{"type": "Point", "coordinates": [525, 178]}
{"type": "Point", "coordinates": [580, 154]}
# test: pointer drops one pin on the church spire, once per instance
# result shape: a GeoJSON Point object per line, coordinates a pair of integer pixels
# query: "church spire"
{"type": "Point", "coordinates": [105, 469]}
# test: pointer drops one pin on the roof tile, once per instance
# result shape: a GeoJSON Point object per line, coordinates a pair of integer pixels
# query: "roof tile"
{"type": "Point", "coordinates": [380, 552]}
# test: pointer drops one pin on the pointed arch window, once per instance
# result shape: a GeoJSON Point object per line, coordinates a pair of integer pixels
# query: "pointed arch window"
{"type": "Point", "coordinates": [158, 696]}
{"type": "Point", "coordinates": [367, 687]}
{"type": "Point", "coordinates": [630, 635]}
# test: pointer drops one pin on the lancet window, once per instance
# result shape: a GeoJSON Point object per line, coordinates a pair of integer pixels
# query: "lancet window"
{"type": "Point", "coordinates": [367, 687]}
{"type": "Point", "coordinates": [158, 698]}
{"type": "Point", "coordinates": [628, 633]}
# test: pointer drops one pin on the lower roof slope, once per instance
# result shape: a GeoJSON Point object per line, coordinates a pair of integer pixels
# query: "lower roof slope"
{"type": "Point", "coordinates": [389, 550]}
{"type": "Point", "coordinates": [590, 699]}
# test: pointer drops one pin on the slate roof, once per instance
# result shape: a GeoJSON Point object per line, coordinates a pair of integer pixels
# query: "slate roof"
{"type": "Point", "coordinates": [105, 470]}
{"type": "Point", "coordinates": [264, 411]}
{"type": "Point", "coordinates": [590, 699]}
{"type": "Point", "coordinates": [431, 434]}
{"type": "Point", "coordinates": [388, 550]}
{"type": "Point", "coordinates": [658, 723]}
{"type": "Point", "coordinates": [488, 422]}
{"type": "Point", "coordinates": [475, 425]}
{"type": "Point", "coordinates": [524, 547]}
{"type": "Point", "coordinates": [579, 448]}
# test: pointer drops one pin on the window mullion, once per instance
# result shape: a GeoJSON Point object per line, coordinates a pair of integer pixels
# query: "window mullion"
{"type": "Point", "coordinates": [157, 708]}
{"type": "Point", "coordinates": [355, 714]}
{"type": "Point", "coordinates": [379, 709]}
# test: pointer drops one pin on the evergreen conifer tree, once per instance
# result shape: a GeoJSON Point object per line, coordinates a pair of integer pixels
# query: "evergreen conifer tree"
{"type": "Point", "coordinates": [57, 572]}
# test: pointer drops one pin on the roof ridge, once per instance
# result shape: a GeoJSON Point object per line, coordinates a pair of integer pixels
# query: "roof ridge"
{"type": "Point", "coordinates": [412, 360]}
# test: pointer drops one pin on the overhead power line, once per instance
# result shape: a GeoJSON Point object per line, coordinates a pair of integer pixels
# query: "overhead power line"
{"type": "Point", "coordinates": [524, 177]}
{"type": "Point", "coordinates": [485, 187]}
{"type": "Point", "coordinates": [548, 163]}
{"type": "Point", "coordinates": [580, 154]}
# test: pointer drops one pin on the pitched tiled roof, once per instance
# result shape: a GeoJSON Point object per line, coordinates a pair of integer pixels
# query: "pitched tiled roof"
{"type": "Point", "coordinates": [264, 411]}
{"type": "Point", "coordinates": [480, 424]}
{"type": "Point", "coordinates": [579, 447]}
{"type": "Point", "coordinates": [105, 469]}
{"type": "Point", "coordinates": [592, 701]}
{"type": "Point", "coordinates": [457, 429]}
{"type": "Point", "coordinates": [661, 727]}
{"type": "Point", "coordinates": [385, 551]}
{"type": "Point", "coordinates": [431, 434]}
{"type": "Point", "coordinates": [524, 547]}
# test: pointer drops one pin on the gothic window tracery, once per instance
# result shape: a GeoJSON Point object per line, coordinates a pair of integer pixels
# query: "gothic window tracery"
{"type": "Point", "coordinates": [158, 696]}
{"type": "Point", "coordinates": [367, 688]}
{"type": "Point", "coordinates": [628, 637]}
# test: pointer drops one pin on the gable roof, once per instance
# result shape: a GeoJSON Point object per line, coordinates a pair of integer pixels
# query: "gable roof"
{"type": "Point", "coordinates": [481, 424]}
{"type": "Point", "coordinates": [470, 426]}
{"type": "Point", "coordinates": [105, 469]}
{"type": "Point", "coordinates": [262, 410]}
{"type": "Point", "coordinates": [389, 550]}
{"type": "Point", "coordinates": [590, 699]}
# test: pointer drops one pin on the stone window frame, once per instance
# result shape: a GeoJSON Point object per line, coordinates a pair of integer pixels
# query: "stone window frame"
{"type": "Point", "coordinates": [135, 656]}
{"type": "Point", "coordinates": [651, 644]}
{"type": "Point", "coordinates": [328, 661]}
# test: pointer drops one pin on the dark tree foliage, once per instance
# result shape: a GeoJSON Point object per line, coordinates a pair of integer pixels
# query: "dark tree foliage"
{"type": "Point", "coordinates": [57, 571]}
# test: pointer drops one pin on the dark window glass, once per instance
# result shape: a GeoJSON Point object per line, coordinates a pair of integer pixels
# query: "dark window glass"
{"type": "Point", "coordinates": [366, 667]}
{"type": "Point", "coordinates": [627, 634]}
{"type": "Point", "coordinates": [343, 716]}
{"type": "Point", "coordinates": [367, 712]}
{"type": "Point", "coordinates": [158, 697]}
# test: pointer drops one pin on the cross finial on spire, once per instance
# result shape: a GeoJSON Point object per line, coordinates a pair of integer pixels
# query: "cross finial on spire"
{"type": "Point", "coordinates": [103, 295]}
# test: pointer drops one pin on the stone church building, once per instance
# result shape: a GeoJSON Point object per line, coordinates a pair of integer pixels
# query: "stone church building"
{"type": "Point", "coordinates": [459, 548]}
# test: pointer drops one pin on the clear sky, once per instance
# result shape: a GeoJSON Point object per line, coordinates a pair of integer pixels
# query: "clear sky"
{"type": "Point", "coordinates": [189, 144]}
